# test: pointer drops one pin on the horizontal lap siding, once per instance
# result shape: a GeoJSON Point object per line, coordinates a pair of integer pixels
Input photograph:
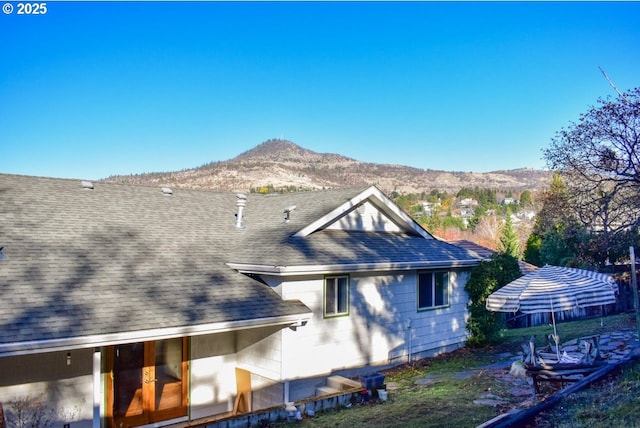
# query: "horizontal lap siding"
{"type": "Point", "coordinates": [67, 389]}
{"type": "Point", "coordinates": [376, 329]}
{"type": "Point", "coordinates": [213, 377]}
{"type": "Point", "coordinates": [435, 330]}
{"type": "Point", "coordinates": [259, 351]}
{"type": "Point", "coordinates": [214, 359]}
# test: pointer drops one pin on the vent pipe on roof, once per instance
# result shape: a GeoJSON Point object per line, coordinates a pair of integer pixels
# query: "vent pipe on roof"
{"type": "Point", "coordinates": [287, 212]}
{"type": "Point", "coordinates": [241, 203]}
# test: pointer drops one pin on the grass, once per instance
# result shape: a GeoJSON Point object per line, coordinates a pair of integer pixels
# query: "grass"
{"type": "Point", "coordinates": [415, 406]}
{"type": "Point", "coordinates": [567, 330]}
{"type": "Point", "coordinates": [612, 402]}
{"type": "Point", "coordinates": [449, 400]}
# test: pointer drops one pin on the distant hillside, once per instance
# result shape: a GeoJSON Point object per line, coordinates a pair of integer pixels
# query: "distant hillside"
{"type": "Point", "coordinates": [281, 163]}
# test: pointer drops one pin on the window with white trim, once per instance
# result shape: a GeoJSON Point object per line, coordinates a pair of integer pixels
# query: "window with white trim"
{"type": "Point", "coordinates": [336, 295]}
{"type": "Point", "coordinates": [433, 289]}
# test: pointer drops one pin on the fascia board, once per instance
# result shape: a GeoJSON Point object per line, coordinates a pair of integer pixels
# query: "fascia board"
{"type": "Point", "coordinates": [346, 268]}
{"type": "Point", "coordinates": [67, 344]}
{"type": "Point", "coordinates": [377, 198]}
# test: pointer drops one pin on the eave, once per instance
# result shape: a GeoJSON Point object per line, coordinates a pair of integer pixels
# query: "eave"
{"type": "Point", "coordinates": [95, 341]}
{"type": "Point", "coordinates": [248, 268]}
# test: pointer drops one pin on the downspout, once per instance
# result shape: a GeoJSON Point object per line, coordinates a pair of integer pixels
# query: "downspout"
{"type": "Point", "coordinates": [286, 391]}
{"type": "Point", "coordinates": [410, 344]}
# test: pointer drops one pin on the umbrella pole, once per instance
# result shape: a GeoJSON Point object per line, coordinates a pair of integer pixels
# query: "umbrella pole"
{"type": "Point", "coordinates": [555, 335]}
{"type": "Point", "coordinates": [555, 331]}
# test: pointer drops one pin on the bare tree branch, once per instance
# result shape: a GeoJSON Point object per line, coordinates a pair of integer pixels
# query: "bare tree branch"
{"type": "Point", "coordinates": [612, 84]}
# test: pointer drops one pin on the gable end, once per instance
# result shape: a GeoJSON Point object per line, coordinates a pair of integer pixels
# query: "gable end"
{"type": "Point", "coordinates": [370, 211]}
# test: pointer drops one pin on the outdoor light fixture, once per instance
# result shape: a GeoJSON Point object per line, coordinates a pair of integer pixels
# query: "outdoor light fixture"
{"type": "Point", "coordinates": [68, 358]}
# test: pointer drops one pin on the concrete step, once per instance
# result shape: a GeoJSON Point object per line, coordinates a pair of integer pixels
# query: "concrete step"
{"type": "Point", "coordinates": [325, 390]}
{"type": "Point", "coordinates": [342, 383]}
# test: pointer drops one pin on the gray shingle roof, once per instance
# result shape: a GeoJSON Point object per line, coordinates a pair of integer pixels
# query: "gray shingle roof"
{"type": "Point", "coordinates": [116, 260]}
{"type": "Point", "coordinates": [119, 259]}
{"type": "Point", "coordinates": [271, 241]}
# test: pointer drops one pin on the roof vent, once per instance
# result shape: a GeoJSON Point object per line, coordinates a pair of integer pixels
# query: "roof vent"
{"type": "Point", "coordinates": [167, 191]}
{"type": "Point", "coordinates": [287, 212]}
{"type": "Point", "coordinates": [87, 184]}
{"type": "Point", "coordinates": [240, 203]}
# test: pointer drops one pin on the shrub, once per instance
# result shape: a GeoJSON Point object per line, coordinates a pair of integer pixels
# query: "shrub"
{"type": "Point", "coordinates": [484, 326]}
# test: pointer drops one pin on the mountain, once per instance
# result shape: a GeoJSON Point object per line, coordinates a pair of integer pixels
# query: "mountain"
{"type": "Point", "coordinates": [281, 163]}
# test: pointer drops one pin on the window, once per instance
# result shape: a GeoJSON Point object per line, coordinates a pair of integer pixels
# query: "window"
{"type": "Point", "coordinates": [336, 296]}
{"type": "Point", "coordinates": [433, 289]}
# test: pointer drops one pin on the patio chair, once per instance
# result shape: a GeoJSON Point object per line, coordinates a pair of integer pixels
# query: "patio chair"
{"type": "Point", "coordinates": [590, 348]}
{"type": "Point", "coordinates": [588, 351]}
{"type": "Point", "coordinates": [531, 356]}
{"type": "Point", "coordinates": [553, 343]}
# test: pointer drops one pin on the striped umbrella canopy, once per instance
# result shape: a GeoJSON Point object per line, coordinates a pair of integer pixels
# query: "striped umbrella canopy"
{"type": "Point", "coordinates": [553, 289]}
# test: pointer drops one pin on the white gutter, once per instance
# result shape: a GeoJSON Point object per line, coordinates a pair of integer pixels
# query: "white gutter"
{"type": "Point", "coordinates": [64, 344]}
{"type": "Point", "coordinates": [345, 268]}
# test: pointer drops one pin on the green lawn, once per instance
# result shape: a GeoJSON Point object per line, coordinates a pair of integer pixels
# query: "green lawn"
{"type": "Point", "coordinates": [449, 401]}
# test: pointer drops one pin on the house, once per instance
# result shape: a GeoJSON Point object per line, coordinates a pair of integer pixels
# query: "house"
{"type": "Point", "coordinates": [430, 208]}
{"type": "Point", "coordinates": [468, 203]}
{"type": "Point", "coordinates": [132, 305]}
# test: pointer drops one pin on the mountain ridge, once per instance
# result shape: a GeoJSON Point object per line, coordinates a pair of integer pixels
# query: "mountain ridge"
{"type": "Point", "coordinates": [278, 164]}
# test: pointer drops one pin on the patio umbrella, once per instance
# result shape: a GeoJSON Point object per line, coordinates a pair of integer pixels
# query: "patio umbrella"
{"type": "Point", "coordinates": [554, 288]}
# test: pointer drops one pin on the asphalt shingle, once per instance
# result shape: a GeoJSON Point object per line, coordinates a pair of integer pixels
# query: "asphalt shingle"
{"type": "Point", "coordinates": [118, 258]}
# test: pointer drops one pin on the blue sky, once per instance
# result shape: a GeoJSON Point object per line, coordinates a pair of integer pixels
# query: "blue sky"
{"type": "Point", "coordinates": [92, 89]}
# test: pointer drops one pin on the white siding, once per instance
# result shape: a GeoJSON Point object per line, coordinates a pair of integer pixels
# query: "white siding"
{"type": "Point", "coordinates": [259, 351]}
{"type": "Point", "coordinates": [65, 389]}
{"type": "Point", "coordinates": [213, 377]}
{"type": "Point", "coordinates": [214, 359]}
{"type": "Point", "coordinates": [365, 218]}
{"type": "Point", "coordinates": [382, 324]}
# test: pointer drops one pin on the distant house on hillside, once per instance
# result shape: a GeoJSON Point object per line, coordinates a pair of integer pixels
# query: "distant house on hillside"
{"type": "Point", "coordinates": [127, 305]}
{"type": "Point", "coordinates": [468, 203]}
{"type": "Point", "coordinates": [429, 208]}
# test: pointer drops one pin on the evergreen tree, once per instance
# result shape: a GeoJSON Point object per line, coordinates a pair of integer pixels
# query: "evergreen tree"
{"type": "Point", "coordinates": [532, 252]}
{"type": "Point", "coordinates": [553, 238]}
{"type": "Point", "coordinates": [508, 243]}
{"type": "Point", "coordinates": [483, 325]}
{"type": "Point", "coordinates": [525, 199]}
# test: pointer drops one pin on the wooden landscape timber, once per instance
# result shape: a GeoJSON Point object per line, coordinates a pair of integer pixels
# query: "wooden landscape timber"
{"type": "Point", "coordinates": [519, 418]}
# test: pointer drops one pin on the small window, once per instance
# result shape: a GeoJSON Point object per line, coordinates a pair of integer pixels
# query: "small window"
{"type": "Point", "coordinates": [336, 296]}
{"type": "Point", "coordinates": [433, 289]}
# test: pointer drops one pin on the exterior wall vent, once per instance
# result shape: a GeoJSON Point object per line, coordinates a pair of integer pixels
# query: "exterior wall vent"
{"type": "Point", "coordinates": [87, 184]}
{"type": "Point", "coordinates": [167, 191]}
